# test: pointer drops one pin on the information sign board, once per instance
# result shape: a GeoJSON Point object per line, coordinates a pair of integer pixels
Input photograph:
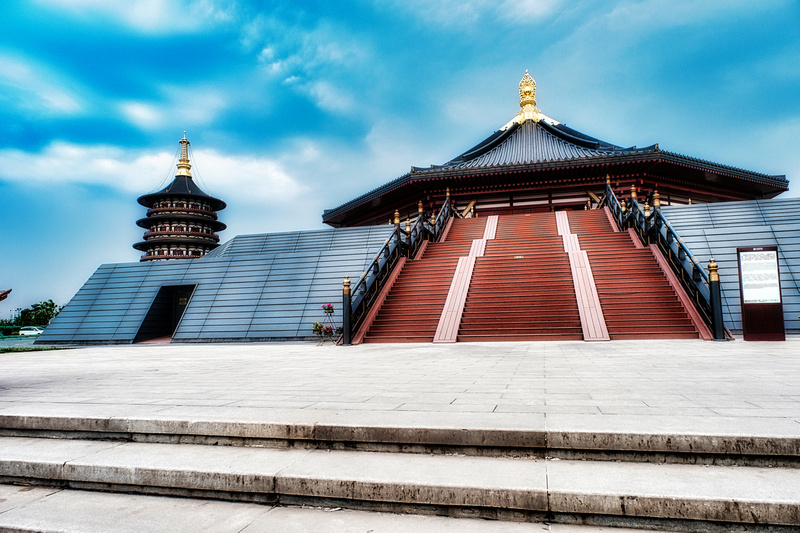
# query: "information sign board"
{"type": "Point", "coordinates": [760, 290]}
{"type": "Point", "coordinates": [760, 277]}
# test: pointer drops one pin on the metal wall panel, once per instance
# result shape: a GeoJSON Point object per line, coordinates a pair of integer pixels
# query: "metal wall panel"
{"type": "Point", "coordinates": [252, 287]}
{"type": "Point", "coordinates": [716, 230]}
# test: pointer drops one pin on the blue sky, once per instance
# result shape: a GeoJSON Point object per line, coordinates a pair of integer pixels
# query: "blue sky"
{"type": "Point", "coordinates": [294, 107]}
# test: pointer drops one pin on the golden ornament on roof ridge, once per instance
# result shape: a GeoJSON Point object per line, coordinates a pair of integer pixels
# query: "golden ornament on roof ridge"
{"type": "Point", "coordinates": [527, 90]}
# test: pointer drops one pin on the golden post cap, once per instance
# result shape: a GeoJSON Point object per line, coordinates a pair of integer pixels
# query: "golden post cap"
{"type": "Point", "coordinates": [713, 270]}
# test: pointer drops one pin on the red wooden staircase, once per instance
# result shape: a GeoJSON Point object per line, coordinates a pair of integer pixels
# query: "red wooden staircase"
{"type": "Point", "coordinates": [637, 300]}
{"type": "Point", "coordinates": [412, 309]}
{"type": "Point", "coordinates": [522, 287]}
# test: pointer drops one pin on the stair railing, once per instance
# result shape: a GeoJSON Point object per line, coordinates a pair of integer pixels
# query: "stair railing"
{"type": "Point", "coordinates": [402, 243]}
{"type": "Point", "coordinates": [653, 228]}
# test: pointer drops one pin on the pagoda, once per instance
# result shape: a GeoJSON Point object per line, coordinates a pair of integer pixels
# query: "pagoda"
{"type": "Point", "coordinates": [181, 221]}
{"type": "Point", "coordinates": [534, 163]}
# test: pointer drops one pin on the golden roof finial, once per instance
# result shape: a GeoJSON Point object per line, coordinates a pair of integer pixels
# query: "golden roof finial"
{"type": "Point", "coordinates": [527, 100]}
{"type": "Point", "coordinates": [184, 167]}
{"type": "Point", "coordinates": [527, 90]}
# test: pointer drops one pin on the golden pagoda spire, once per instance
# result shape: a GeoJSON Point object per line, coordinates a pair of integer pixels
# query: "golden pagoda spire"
{"type": "Point", "coordinates": [527, 90]}
{"type": "Point", "coordinates": [184, 168]}
{"type": "Point", "coordinates": [527, 100]}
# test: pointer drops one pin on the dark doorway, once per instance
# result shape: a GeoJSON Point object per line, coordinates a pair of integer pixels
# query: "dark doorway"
{"type": "Point", "coordinates": [165, 313]}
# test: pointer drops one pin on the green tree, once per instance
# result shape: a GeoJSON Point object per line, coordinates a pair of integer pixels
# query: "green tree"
{"type": "Point", "coordinates": [38, 314]}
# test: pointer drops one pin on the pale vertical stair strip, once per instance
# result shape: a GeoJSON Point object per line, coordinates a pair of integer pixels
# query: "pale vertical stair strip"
{"type": "Point", "coordinates": [592, 321]}
{"type": "Point", "coordinates": [450, 321]}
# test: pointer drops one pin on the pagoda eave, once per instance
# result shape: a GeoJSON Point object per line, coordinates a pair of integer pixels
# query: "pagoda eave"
{"type": "Point", "coordinates": [146, 222]}
{"type": "Point", "coordinates": [175, 240]}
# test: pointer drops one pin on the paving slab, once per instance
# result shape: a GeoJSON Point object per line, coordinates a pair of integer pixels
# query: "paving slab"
{"type": "Point", "coordinates": [457, 429]}
{"type": "Point", "coordinates": [437, 480]}
{"type": "Point", "coordinates": [44, 458]}
{"type": "Point", "coordinates": [96, 512]}
{"type": "Point", "coordinates": [194, 467]}
{"type": "Point", "coordinates": [710, 493]}
{"type": "Point", "coordinates": [44, 509]}
{"type": "Point", "coordinates": [671, 433]}
{"type": "Point", "coordinates": [12, 497]}
{"type": "Point", "coordinates": [298, 520]}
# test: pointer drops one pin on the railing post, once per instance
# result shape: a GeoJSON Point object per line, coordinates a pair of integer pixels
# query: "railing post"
{"type": "Point", "coordinates": [346, 312]}
{"type": "Point", "coordinates": [718, 328]}
{"type": "Point", "coordinates": [623, 217]}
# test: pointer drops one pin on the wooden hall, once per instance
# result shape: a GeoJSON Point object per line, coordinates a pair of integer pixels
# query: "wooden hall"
{"type": "Point", "coordinates": [550, 234]}
{"type": "Point", "coordinates": [534, 163]}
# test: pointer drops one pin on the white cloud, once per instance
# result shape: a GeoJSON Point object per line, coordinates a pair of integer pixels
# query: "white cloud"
{"type": "Point", "coordinates": [526, 11]}
{"type": "Point", "coordinates": [463, 13]}
{"type": "Point", "coordinates": [251, 179]}
{"type": "Point", "coordinates": [285, 48]}
{"type": "Point", "coordinates": [330, 98]}
{"type": "Point", "coordinates": [145, 116]}
{"type": "Point", "coordinates": [36, 88]}
{"type": "Point", "coordinates": [309, 60]}
{"type": "Point", "coordinates": [152, 16]}
{"type": "Point", "coordinates": [187, 107]}
{"type": "Point", "coordinates": [248, 179]}
{"type": "Point", "coordinates": [62, 162]}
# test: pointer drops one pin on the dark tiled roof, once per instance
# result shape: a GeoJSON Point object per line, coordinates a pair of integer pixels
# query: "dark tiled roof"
{"type": "Point", "coordinates": [182, 186]}
{"type": "Point", "coordinates": [534, 142]}
{"type": "Point", "coordinates": [548, 144]}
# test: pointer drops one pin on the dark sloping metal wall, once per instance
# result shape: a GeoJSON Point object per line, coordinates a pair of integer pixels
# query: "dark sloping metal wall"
{"type": "Point", "coordinates": [255, 287]}
{"type": "Point", "coordinates": [716, 230]}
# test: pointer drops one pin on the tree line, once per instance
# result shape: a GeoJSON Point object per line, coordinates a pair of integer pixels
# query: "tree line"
{"type": "Point", "coordinates": [36, 315]}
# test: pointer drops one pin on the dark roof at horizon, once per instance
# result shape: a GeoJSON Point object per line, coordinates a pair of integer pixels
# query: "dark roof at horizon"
{"type": "Point", "coordinates": [533, 142]}
{"type": "Point", "coordinates": [545, 144]}
{"type": "Point", "coordinates": [181, 186]}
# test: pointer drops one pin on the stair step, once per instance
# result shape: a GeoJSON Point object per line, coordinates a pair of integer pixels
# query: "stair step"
{"type": "Point", "coordinates": [523, 282]}
{"type": "Point", "coordinates": [46, 509]}
{"type": "Point", "coordinates": [414, 482]}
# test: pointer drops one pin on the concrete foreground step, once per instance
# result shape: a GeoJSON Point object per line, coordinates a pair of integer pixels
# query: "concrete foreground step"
{"type": "Point", "coordinates": [29, 509]}
{"type": "Point", "coordinates": [678, 439]}
{"type": "Point", "coordinates": [520, 489]}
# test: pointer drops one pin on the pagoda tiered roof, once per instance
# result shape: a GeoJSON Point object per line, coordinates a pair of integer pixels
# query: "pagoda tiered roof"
{"type": "Point", "coordinates": [183, 187]}
{"type": "Point", "coordinates": [535, 151]}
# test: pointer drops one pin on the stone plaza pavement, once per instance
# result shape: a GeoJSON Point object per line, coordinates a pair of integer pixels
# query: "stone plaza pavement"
{"type": "Point", "coordinates": [607, 382]}
{"type": "Point", "coordinates": [629, 387]}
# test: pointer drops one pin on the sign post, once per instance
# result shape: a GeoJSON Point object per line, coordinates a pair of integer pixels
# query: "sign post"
{"type": "Point", "coordinates": [760, 290]}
